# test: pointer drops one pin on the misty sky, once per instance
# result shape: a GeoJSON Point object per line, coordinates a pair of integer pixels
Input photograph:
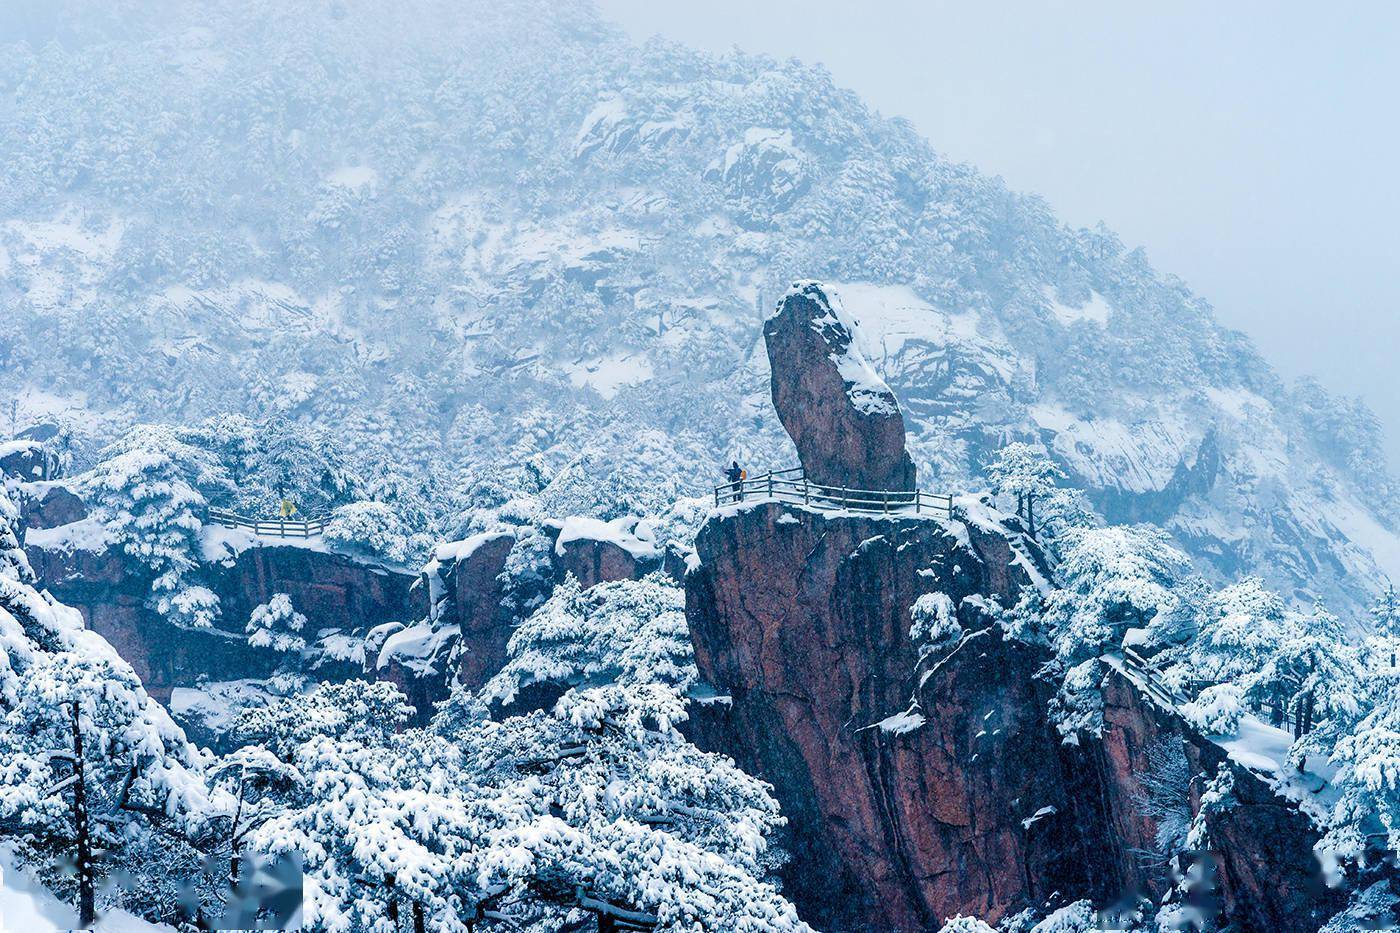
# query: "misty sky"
{"type": "Point", "coordinates": [1251, 148]}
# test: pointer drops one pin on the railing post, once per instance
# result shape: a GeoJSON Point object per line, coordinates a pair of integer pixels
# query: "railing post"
{"type": "Point", "coordinates": [917, 497]}
{"type": "Point", "coordinates": [770, 484]}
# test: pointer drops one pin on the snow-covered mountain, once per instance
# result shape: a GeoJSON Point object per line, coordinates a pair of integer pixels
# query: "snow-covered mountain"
{"type": "Point", "coordinates": [486, 232]}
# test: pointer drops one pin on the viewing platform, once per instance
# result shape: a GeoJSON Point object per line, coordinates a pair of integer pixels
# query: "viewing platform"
{"type": "Point", "coordinates": [793, 486]}
{"type": "Point", "coordinates": [269, 527]}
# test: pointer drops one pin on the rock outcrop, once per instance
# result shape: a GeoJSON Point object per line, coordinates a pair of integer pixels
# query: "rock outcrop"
{"type": "Point", "coordinates": [466, 592]}
{"type": "Point", "coordinates": [49, 505]}
{"type": "Point", "coordinates": [596, 552]}
{"type": "Point", "coordinates": [845, 421]}
{"type": "Point", "coordinates": [339, 596]}
{"type": "Point", "coordinates": [921, 787]}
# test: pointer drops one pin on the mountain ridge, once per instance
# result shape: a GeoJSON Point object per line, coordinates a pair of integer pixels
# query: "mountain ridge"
{"type": "Point", "coordinates": [485, 235]}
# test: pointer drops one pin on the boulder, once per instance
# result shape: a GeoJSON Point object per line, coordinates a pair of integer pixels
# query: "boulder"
{"type": "Point", "coordinates": [49, 505]}
{"type": "Point", "coordinates": [596, 551]}
{"type": "Point", "coordinates": [28, 460]}
{"type": "Point", "coordinates": [843, 418]}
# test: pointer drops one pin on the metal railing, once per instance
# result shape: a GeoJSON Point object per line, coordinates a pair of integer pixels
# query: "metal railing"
{"type": "Point", "coordinates": [269, 527]}
{"type": "Point", "coordinates": [792, 485]}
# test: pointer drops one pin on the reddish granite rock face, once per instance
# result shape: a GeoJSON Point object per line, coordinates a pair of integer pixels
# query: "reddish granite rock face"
{"type": "Point", "coordinates": [803, 620]}
{"type": "Point", "coordinates": [468, 596]}
{"type": "Point", "coordinates": [331, 590]}
{"type": "Point", "coordinates": [600, 552]}
{"type": "Point", "coordinates": [904, 814]}
{"type": "Point", "coordinates": [843, 418]}
{"type": "Point", "coordinates": [112, 596]}
{"type": "Point", "coordinates": [1267, 874]}
{"type": "Point", "coordinates": [49, 505]}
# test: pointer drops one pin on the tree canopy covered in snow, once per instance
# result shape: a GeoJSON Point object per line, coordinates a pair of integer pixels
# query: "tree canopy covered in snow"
{"type": "Point", "coordinates": [544, 243]}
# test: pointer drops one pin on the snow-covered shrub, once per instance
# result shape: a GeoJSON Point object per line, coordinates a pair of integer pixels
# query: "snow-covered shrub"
{"type": "Point", "coordinates": [1078, 705]}
{"type": "Point", "coordinates": [933, 622]}
{"type": "Point", "coordinates": [962, 924]}
{"type": "Point", "coordinates": [1164, 794]}
{"type": "Point", "coordinates": [1078, 917]}
{"type": "Point", "coordinates": [276, 625]}
{"type": "Point", "coordinates": [1217, 710]}
{"type": "Point", "coordinates": [147, 490]}
{"type": "Point", "coordinates": [373, 529]}
{"type": "Point", "coordinates": [624, 632]}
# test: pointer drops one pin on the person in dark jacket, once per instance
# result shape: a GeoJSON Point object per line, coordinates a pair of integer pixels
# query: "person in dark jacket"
{"type": "Point", "coordinates": [735, 474]}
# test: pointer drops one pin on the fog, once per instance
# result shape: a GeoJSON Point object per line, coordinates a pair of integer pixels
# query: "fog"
{"type": "Point", "coordinates": [1248, 147]}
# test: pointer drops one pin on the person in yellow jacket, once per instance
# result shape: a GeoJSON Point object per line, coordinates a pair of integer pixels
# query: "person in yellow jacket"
{"type": "Point", "coordinates": [289, 508]}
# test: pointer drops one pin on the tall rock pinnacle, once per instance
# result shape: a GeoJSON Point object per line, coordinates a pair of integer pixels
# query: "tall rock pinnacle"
{"type": "Point", "coordinates": [844, 419]}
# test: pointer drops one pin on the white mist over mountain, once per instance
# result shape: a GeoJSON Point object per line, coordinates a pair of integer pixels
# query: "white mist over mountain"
{"type": "Point", "coordinates": [1242, 145]}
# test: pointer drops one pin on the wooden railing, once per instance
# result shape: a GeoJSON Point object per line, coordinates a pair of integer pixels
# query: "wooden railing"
{"type": "Point", "coordinates": [269, 527]}
{"type": "Point", "coordinates": [793, 486]}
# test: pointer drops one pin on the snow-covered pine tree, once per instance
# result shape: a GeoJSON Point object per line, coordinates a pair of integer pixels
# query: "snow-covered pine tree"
{"type": "Point", "coordinates": [375, 530]}
{"type": "Point", "coordinates": [147, 491]}
{"type": "Point", "coordinates": [277, 625]}
{"type": "Point", "coordinates": [626, 632]}
{"type": "Point", "coordinates": [14, 565]}
{"type": "Point", "coordinates": [598, 806]}
{"type": "Point", "coordinates": [91, 763]}
{"type": "Point", "coordinates": [1110, 580]}
{"type": "Point", "coordinates": [304, 463]}
{"type": "Point", "coordinates": [1385, 614]}
{"type": "Point", "coordinates": [1025, 473]}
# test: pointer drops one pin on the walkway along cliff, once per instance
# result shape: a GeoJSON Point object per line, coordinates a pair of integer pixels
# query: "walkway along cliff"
{"type": "Point", "coordinates": [924, 785]}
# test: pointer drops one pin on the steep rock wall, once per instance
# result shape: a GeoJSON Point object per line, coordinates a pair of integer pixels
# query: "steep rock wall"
{"type": "Point", "coordinates": [918, 790]}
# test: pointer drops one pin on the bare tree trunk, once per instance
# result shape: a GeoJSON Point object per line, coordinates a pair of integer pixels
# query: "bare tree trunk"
{"type": "Point", "coordinates": [87, 908]}
{"type": "Point", "coordinates": [419, 925]}
{"type": "Point", "coordinates": [393, 902]}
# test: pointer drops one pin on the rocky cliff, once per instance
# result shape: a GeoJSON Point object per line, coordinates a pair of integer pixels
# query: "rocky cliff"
{"type": "Point", "coordinates": [339, 595]}
{"type": "Point", "coordinates": [923, 787]}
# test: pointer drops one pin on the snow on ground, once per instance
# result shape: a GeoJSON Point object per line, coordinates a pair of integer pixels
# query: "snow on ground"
{"type": "Point", "coordinates": [1257, 746]}
{"type": "Point", "coordinates": [28, 907]}
{"type": "Point", "coordinates": [1037, 816]}
{"type": "Point", "coordinates": [1263, 749]}
{"type": "Point", "coordinates": [218, 703]}
{"type": "Point", "coordinates": [354, 177]}
{"type": "Point", "coordinates": [89, 534]}
{"type": "Point", "coordinates": [1238, 403]}
{"type": "Point", "coordinates": [218, 543]}
{"type": "Point", "coordinates": [608, 374]}
{"type": "Point", "coordinates": [1368, 535]}
{"type": "Point", "coordinates": [900, 723]}
{"type": "Point", "coordinates": [1106, 452]}
{"type": "Point", "coordinates": [618, 532]}
{"type": "Point", "coordinates": [34, 404]}
{"type": "Point", "coordinates": [416, 646]}
{"type": "Point", "coordinates": [1094, 311]}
